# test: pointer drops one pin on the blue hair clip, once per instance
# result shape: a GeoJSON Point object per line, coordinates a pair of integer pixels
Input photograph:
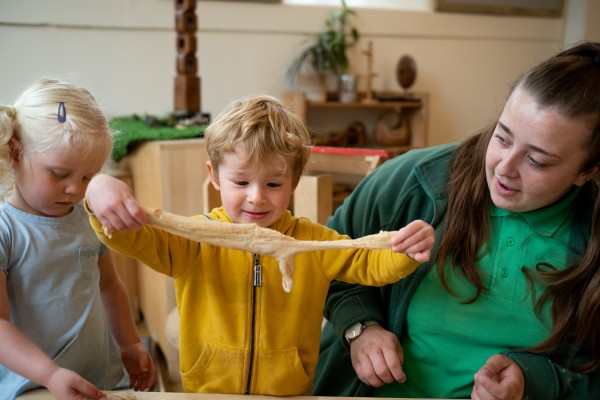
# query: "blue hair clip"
{"type": "Point", "coordinates": [62, 112]}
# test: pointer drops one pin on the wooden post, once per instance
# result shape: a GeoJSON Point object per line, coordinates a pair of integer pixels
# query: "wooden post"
{"type": "Point", "coordinates": [313, 198]}
{"type": "Point", "coordinates": [370, 75]}
{"type": "Point", "coordinates": [187, 82]}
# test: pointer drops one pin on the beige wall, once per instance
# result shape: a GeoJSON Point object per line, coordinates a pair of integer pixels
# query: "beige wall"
{"type": "Point", "coordinates": [124, 51]}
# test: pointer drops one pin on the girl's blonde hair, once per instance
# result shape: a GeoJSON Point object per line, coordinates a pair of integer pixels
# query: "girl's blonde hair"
{"type": "Point", "coordinates": [36, 121]}
{"type": "Point", "coordinates": [266, 128]}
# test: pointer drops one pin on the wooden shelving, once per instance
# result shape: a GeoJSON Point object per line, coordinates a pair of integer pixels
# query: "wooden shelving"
{"type": "Point", "coordinates": [347, 169]}
{"type": "Point", "coordinates": [331, 116]}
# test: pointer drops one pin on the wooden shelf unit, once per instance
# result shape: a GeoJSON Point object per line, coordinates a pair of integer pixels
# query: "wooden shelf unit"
{"type": "Point", "coordinates": [335, 115]}
{"type": "Point", "coordinates": [168, 174]}
{"type": "Point", "coordinates": [347, 169]}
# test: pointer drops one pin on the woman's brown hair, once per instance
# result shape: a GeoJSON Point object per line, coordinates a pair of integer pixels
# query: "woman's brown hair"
{"type": "Point", "coordinates": [569, 81]}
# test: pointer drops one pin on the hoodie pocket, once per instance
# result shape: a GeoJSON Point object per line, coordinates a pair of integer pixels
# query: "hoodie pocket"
{"type": "Point", "coordinates": [219, 369]}
{"type": "Point", "coordinates": [281, 373]}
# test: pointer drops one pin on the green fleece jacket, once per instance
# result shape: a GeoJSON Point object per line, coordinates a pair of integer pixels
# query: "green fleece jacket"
{"type": "Point", "coordinates": [409, 187]}
{"type": "Point", "coordinates": [239, 331]}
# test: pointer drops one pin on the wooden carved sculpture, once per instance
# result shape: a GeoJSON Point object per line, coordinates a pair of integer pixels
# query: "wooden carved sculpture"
{"type": "Point", "coordinates": [187, 83]}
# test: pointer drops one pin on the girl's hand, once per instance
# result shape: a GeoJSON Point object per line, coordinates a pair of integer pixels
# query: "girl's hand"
{"type": "Point", "coordinates": [112, 201]}
{"type": "Point", "coordinates": [139, 366]}
{"type": "Point", "coordinates": [65, 384]}
{"type": "Point", "coordinates": [499, 379]}
{"type": "Point", "coordinates": [415, 239]}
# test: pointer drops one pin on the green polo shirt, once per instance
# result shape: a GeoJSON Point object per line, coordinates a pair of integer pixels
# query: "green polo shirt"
{"type": "Point", "coordinates": [447, 341]}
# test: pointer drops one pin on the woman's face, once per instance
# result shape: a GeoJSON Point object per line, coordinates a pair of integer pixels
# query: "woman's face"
{"type": "Point", "coordinates": [534, 155]}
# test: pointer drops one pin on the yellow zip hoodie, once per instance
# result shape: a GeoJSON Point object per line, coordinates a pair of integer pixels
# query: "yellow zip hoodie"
{"type": "Point", "coordinates": [241, 336]}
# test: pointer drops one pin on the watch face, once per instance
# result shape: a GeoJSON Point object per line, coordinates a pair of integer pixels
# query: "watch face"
{"type": "Point", "coordinates": [354, 331]}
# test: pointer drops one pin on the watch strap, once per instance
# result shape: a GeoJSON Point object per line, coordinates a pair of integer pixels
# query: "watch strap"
{"type": "Point", "coordinates": [369, 323]}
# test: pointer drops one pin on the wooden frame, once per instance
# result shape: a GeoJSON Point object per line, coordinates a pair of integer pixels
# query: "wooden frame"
{"type": "Point", "coordinates": [538, 8]}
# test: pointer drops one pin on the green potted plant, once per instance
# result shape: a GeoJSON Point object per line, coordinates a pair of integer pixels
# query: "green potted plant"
{"type": "Point", "coordinates": [327, 53]}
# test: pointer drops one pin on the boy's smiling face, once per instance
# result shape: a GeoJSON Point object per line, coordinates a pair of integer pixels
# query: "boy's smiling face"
{"type": "Point", "coordinates": [256, 193]}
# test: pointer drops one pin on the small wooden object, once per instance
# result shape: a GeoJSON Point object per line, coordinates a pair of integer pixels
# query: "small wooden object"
{"type": "Point", "coordinates": [370, 75]}
{"type": "Point", "coordinates": [406, 72]}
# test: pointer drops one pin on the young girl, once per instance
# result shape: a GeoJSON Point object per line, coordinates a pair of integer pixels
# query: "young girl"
{"type": "Point", "coordinates": [60, 295]}
{"type": "Point", "coordinates": [240, 332]}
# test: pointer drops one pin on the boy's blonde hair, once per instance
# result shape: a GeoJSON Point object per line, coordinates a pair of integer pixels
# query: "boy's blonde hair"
{"type": "Point", "coordinates": [266, 128]}
{"type": "Point", "coordinates": [34, 121]}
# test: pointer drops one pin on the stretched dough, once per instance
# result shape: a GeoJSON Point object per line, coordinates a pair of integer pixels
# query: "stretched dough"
{"type": "Point", "coordinates": [253, 238]}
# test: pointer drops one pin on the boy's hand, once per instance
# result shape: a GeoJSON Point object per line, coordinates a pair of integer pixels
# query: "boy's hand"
{"type": "Point", "coordinates": [415, 239]}
{"type": "Point", "coordinates": [112, 201]}
{"type": "Point", "coordinates": [139, 366]}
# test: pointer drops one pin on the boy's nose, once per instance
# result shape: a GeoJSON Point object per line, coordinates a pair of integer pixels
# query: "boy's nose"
{"type": "Point", "coordinates": [255, 195]}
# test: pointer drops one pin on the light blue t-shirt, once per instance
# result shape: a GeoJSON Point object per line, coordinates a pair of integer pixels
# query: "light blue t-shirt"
{"type": "Point", "coordinates": [449, 339]}
{"type": "Point", "coordinates": [54, 293]}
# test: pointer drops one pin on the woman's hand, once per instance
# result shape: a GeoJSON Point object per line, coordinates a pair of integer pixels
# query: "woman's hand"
{"type": "Point", "coordinates": [415, 239]}
{"type": "Point", "coordinates": [499, 379]}
{"type": "Point", "coordinates": [377, 356]}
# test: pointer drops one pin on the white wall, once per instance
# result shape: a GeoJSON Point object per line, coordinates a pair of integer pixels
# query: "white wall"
{"type": "Point", "coordinates": [581, 21]}
{"type": "Point", "coordinates": [124, 51]}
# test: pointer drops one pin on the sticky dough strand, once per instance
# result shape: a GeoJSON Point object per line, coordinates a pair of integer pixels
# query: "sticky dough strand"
{"type": "Point", "coordinates": [253, 238]}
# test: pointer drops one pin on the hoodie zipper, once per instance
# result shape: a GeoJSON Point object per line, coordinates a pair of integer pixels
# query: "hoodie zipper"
{"type": "Point", "coordinates": [257, 281]}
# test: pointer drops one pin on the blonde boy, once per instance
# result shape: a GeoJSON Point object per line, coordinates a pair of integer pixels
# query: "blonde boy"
{"type": "Point", "coordinates": [240, 332]}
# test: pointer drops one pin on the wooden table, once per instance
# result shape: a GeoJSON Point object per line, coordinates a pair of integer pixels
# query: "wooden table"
{"type": "Point", "coordinates": [45, 395]}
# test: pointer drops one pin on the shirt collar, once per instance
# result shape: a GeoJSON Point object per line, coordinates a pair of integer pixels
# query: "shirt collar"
{"type": "Point", "coordinates": [545, 220]}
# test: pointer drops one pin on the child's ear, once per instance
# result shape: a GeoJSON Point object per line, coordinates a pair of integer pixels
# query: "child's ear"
{"type": "Point", "coordinates": [214, 178]}
{"type": "Point", "coordinates": [15, 148]}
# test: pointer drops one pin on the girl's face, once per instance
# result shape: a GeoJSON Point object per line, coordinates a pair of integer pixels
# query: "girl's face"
{"type": "Point", "coordinates": [252, 193]}
{"type": "Point", "coordinates": [535, 155]}
{"type": "Point", "coordinates": [50, 184]}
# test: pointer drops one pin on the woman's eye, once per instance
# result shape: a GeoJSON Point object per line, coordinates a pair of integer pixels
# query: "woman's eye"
{"type": "Point", "coordinates": [274, 185]}
{"type": "Point", "coordinates": [535, 163]}
{"type": "Point", "coordinates": [241, 183]}
{"type": "Point", "coordinates": [500, 139]}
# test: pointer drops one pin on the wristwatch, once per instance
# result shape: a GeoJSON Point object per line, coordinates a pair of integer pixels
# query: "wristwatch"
{"type": "Point", "coordinates": [357, 329]}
